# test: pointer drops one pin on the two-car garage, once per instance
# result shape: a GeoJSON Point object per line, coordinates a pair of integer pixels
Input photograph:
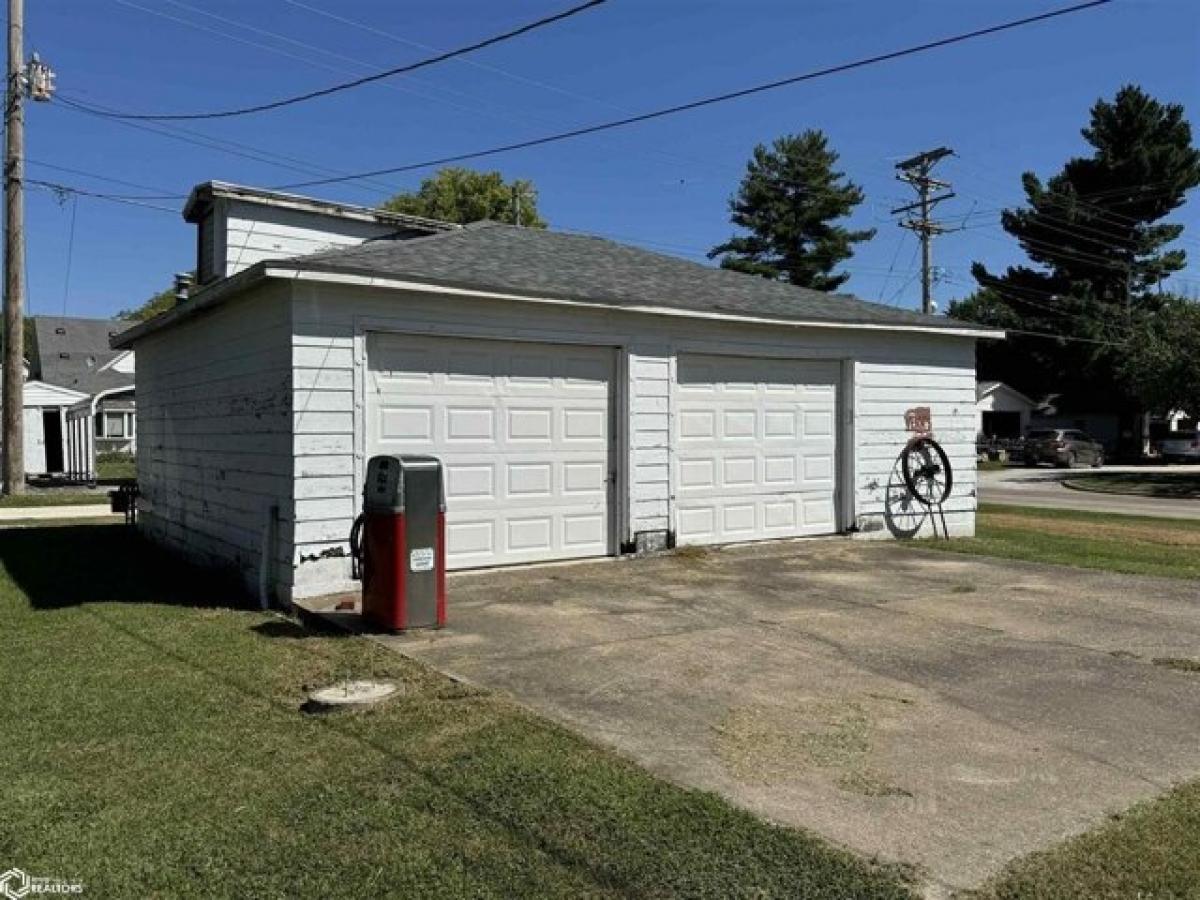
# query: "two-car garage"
{"type": "Point", "coordinates": [586, 399]}
{"type": "Point", "coordinates": [530, 438]}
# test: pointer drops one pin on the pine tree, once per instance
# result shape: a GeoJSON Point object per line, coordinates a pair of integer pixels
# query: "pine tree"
{"type": "Point", "coordinates": [1095, 235]}
{"type": "Point", "coordinates": [789, 201]}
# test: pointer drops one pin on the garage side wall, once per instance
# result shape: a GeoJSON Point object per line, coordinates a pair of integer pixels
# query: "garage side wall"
{"type": "Point", "coordinates": [885, 373]}
{"type": "Point", "coordinates": [940, 375]}
{"type": "Point", "coordinates": [214, 455]}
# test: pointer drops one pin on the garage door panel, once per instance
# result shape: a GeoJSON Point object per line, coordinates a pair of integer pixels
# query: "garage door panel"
{"type": "Point", "coordinates": [755, 448]}
{"type": "Point", "coordinates": [522, 430]}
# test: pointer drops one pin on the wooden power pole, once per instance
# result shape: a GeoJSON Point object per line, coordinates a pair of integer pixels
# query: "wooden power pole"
{"type": "Point", "coordinates": [14, 256]}
{"type": "Point", "coordinates": [35, 80]}
{"type": "Point", "coordinates": [917, 171]}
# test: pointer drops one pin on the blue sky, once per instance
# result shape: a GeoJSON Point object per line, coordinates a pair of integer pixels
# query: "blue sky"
{"type": "Point", "coordinates": [1005, 104]}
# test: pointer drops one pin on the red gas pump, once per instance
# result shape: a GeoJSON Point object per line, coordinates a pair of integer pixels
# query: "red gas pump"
{"type": "Point", "coordinates": [398, 544]}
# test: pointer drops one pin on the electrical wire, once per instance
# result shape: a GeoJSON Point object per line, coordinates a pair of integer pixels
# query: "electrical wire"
{"type": "Point", "coordinates": [1063, 337]}
{"type": "Point", "coordinates": [664, 155]}
{"type": "Point", "coordinates": [712, 100]}
{"type": "Point", "coordinates": [232, 148]}
{"type": "Point", "coordinates": [367, 79]}
{"type": "Point", "coordinates": [96, 175]}
{"type": "Point", "coordinates": [70, 253]}
{"type": "Point", "coordinates": [67, 189]}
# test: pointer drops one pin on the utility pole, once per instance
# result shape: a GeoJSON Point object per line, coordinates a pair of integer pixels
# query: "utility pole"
{"type": "Point", "coordinates": [917, 171]}
{"type": "Point", "coordinates": [37, 81]}
{"type": "Point", "coordinates": [14, 255]}
{"type": "Point", "coordinates": [516, 205]}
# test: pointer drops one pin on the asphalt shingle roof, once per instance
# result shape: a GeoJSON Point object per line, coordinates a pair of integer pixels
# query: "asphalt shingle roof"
{"type": "Point", "coordinates": [73, 352]}
{"type": "Point", "coordinates": [490, 256]}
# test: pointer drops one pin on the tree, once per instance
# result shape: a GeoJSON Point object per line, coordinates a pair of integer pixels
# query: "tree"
{"type": "Point", "coordinates": [1095, 236]}
{"type": "Point", "coordinates": [161, 302]}
{"type": "Point", "coordinates": [463, 195]}
{"type": "Point", "coordinates": [788, 201]}
{"type": "Point", "coordinates": [1160, 360]}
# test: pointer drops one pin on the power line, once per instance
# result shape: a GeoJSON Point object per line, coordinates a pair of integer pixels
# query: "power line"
{"type": "Point", "coordinates": [233, 148]}
{"type": "Point", "coordinates": [710, 101]}
{"type": "Point", "coordinates": [70, 253]}
{"type": "Point", "coordinates": [367, 79]}
{"type": "Point", "coordinates": [96, 175]}
{"type": "Point", "coordinates": [1063, 337]}
{"type": "Point", "coordinates": [379, 32]}
{"type": "Point", "coordinates": [665, 155]}
{"type": "Point", "coordinates": [67, 189]}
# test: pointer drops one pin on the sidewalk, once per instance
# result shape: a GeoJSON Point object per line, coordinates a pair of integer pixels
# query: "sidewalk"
{"type": "Point", "coordinates": [81, 511]}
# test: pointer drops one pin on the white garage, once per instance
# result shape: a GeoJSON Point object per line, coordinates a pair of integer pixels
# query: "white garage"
{"type": "Point", "coordinates": [524, 432]}
{"type": "Point", "coordinates": [587, 398]}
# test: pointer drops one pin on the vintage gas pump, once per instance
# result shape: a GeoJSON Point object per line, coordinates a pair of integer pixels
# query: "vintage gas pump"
{"type": "Point", "coordinates": [398, 544]}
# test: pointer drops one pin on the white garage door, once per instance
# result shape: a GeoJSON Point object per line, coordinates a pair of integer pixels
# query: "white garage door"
{"type": "Point", "coordinates": [523, 431]}
{"type": "Point", "coordinates": [756, 450]}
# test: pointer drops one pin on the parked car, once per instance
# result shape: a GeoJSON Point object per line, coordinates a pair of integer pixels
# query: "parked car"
{"type": "Point", "coordinates": [1181, 446]}
{"type": "Point", "coordinates": [1062, 447]}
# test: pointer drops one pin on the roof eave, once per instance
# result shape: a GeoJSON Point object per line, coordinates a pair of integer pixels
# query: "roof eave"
{"type": "Point", "coordinates": [296, 270]}
{"type": "Point", "coordinates": [300, 270]}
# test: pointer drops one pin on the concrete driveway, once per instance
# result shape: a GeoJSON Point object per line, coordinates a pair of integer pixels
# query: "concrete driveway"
{"type": "Point", "coordinates": [948, 712]}
{"type": "Point", "coordinates": [1043, 487]}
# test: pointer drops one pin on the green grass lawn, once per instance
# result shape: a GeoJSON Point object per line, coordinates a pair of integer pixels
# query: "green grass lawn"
{"type": "Point", "coordinates": [1169, 485]}
{"type": "Point", "coordinates": [43, 497]}
{"type": "Point", "coordinates": [154, 747]}
{"type": "Point", "coordinates": [1139, 545]}
{"type": "Point", "coordinates": [1151, 851]}
{"type": "Point", "coordinates": [115, 466]}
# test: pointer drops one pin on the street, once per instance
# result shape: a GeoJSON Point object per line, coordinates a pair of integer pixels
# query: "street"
{"type": "Point", "coordinates": [1043, 487]}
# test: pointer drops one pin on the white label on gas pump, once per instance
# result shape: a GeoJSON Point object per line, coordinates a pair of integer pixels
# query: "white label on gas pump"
{"type": "Point", "coordinates": [421, 559]}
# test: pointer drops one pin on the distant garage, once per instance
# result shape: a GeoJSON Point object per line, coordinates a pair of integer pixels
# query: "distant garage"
{"type": "Point", "coordinates": [586, 398]}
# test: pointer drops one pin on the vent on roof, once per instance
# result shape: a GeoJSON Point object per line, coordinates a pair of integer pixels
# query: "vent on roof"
{"type": "Point", "coordinates": [60, 330]}
{"type": "Point", "coordinates": [64, 356]}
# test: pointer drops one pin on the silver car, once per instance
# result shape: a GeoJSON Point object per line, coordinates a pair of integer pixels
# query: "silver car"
{"type": "Point", "coordinates": [1182, 446]}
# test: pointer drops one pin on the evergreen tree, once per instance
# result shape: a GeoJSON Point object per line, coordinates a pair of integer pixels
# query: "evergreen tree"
{"type": "Point", "coordinates": [789, 201]}
{"type": "Point", "coordinates": [1095, 235]}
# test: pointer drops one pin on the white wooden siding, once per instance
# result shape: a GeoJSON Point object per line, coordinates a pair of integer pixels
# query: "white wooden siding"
{"type": "Point", "coordinates": [254, 232]}
{"type": "Point", "coordinates": [888, 372]}
{"type": "Point", "coordinates": [883, 391]}
{"type": "Point", "coordinates": [214, 437]}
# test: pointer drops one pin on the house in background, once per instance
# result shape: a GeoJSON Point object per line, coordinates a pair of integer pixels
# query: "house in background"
{"type": "Point", "coordinates": [1001, 412]}
{"type": "Point", "coordinates": [1004, 413]}
{"type": "Point", "coordinates": [79, 400]}
{"type": "Point", "coordinates": [585, 398]}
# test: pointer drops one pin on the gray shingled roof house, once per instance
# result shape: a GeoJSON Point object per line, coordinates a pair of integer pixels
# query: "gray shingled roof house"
{"type": "Point", "coordinates": [80, 399]}
{"type": "Point", "coordinates": [586, 398]}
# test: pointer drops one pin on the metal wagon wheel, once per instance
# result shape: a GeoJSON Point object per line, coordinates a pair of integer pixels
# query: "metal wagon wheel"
{"type": "Point", "coordinates": [927, 472]}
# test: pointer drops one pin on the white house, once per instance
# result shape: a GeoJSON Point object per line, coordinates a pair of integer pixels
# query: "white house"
{"type": "Point", "coordinates": [587, 399]}
{"type": "Point", "coordinates": [1001, 411]}
{"type": "Point", "coordinates": [78, 398]}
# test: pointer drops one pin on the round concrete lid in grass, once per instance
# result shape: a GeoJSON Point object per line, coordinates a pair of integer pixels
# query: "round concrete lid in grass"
{"type": "Point", "coordinates": [349, 695]}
